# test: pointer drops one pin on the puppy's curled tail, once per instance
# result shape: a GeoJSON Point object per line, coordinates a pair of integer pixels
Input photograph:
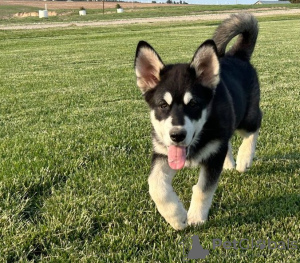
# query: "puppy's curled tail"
{"type": "Point", "coordinates": [243, 24]}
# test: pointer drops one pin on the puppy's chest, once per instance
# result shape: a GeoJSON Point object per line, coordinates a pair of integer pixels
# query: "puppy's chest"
{"type": "Point", "coordinates": [198, 156]}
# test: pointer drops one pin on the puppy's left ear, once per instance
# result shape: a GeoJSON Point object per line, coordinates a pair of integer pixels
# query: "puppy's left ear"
{"type": "Point", "coordinates": [147, 66]}
{"type": "Point", "coordinates": [206, 64]}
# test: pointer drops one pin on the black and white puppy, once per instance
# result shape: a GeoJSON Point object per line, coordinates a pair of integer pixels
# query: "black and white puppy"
{"type": "Point", "coordinates": [195, 109]}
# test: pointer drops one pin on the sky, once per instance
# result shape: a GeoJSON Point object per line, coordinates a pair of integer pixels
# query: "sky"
{"type": "Point", "coordinates": [210, 2]}
{"type": "Point", "coordinates": [221, 2]}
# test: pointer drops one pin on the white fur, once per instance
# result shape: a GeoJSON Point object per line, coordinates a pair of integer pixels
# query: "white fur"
{"type": "Point", "coordinates": [162, 193]}
{"type": "Point", "coordinates": [246, 151]}
{"type": "Point", "coordinates": [229, 162]}
{"type": "Point", "coordinates": [201, 200]}
{"type": "Point", "coordinates": [209, 149]}
{"type": "Point", "coordinates": [158, 148]}
{"type": "Point", "coordinates": [168, 98]}
{"type": "Point", "coordinates": [187, 98]}
{"type": "Point", "coordinates": [194, 127]}
{"type": "Point", "coordinates": [163, 128]}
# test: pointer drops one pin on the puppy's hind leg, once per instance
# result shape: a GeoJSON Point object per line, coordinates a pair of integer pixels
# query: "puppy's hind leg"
{"type": "Point", "coordinates": [162, 193]}
{"type": "Point", "coordinates": [246, 151]}
{"type": "Point", "coordinates": [229, 162]}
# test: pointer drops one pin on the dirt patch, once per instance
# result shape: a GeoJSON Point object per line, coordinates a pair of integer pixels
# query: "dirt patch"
{"type": "Point", "coordinates": [25, 14]}
{"type": "Point", "coordinates": [28, 14]}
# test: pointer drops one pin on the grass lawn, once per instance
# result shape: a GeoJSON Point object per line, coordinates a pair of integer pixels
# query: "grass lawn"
{"type": "Point", "coordinates": [75, 150]}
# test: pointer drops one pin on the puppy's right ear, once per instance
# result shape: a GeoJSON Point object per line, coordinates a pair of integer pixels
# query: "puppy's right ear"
{"type": "Point", "coordinates": [147, 66]}
{"type": "Point", "coordinates": [206, 64]}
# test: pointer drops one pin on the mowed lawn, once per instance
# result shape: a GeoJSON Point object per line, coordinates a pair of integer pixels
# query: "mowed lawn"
{"type": "Point", "coordinates": [75, 150]}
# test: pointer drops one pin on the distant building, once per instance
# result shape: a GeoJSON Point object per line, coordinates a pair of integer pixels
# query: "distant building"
{"type": "Point", "coordinates": [271, 2]}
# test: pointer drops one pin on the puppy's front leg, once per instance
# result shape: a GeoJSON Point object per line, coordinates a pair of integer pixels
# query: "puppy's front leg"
{"type": "Point", "coordinates": [162, 193]}
{"type": "Point", "coordinates": [203, 193]}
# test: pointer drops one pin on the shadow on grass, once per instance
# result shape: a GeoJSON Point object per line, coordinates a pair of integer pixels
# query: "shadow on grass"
{"type": "Point", "coordinates": [273, 171]}
{"type": "Point", "coordinates": [269, 172]}
{"type": "Point", "coordinates": [39, 192]}
{"type": "Point", "coordinates": [277, 207]}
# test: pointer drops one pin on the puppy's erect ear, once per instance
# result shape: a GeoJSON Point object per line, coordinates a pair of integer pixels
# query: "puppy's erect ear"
{"type": "Point", "coordinates": [206, 64]}
{"type": "Point", "coordinates": [147, 65]}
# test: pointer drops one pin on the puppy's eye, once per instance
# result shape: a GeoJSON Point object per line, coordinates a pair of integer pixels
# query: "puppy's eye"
{"type": "Point", "coordinates": [193, 103]}
{"type": "Point", "coordinates": [163, 105]}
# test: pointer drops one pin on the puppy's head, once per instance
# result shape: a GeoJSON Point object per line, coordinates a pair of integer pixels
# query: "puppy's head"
{"type": "Point", "coordinates": [178, 96]}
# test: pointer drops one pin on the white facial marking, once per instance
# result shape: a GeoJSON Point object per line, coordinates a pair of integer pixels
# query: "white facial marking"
{"type": "Point", "coordinates": [187, 98]}
{"type": "Point", "coordinates": [158, 148]}
{"type": "Point", "coordinates": [168, 98]}
{"type": "Point", "coordinates": [163, 128]}
{"type": "Point", "coordinates": [196, 126]}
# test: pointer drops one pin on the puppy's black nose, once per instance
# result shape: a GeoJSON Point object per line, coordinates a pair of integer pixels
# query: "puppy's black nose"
{"type": "Point", "coordinates": [177, 135]}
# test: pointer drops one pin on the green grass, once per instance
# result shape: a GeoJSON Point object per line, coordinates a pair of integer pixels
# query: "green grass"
{"type": "Point", "coordinates": [75, 149]}
{"type": "Point", "coordinates": [7, 12]}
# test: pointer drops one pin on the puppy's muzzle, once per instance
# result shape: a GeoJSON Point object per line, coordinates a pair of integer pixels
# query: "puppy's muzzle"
{"type": "Point", "coordinates": [178, 134]}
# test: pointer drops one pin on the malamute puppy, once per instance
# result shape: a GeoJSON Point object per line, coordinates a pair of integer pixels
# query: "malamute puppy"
{"type": "Point", "coordinates": [195, 109]}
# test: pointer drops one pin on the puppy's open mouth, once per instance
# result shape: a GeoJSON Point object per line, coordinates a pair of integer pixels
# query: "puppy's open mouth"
{"type": "Point", "coordinates": [176, 156]}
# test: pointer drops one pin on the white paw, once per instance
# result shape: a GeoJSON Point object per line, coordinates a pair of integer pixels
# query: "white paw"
{"type": "Point", "coordinates": [229, 162]}
{"type": "Point", "coordinates": [228, 165]}
{"type": "Point", "coordinates": [196, 218]}
{"type": "Point", "coordinates": [243, 164]}
{"type": "Point", "coordinates": [179, 220]}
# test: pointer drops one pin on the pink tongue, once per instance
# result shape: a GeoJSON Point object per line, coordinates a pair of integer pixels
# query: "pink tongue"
{"type": "Point", "coordinates": [176, 157]}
